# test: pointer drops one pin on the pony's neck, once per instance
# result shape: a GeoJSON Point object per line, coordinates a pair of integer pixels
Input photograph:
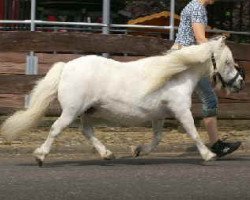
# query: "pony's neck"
{"type": "Point", "coordinates": [191, 77]}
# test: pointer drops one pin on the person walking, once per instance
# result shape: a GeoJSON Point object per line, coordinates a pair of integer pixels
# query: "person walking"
{"type": "Point", "coordinates": [192, 31]}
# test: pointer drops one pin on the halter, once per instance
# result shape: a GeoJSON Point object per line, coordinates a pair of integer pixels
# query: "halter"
{"type": "Point", "coordinates": [240, 72]}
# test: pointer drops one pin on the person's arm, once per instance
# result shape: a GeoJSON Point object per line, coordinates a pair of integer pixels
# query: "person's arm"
{"type": "Point", "coordinates": [199, 23]}
{"type": "Point", "coordinates": [199, 32]}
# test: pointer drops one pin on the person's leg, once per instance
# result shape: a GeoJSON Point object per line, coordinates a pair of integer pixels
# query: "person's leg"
{"type": "Point", "coordinates": [211, 127]}
{"type": "Point", "coordinates": [209, 106]}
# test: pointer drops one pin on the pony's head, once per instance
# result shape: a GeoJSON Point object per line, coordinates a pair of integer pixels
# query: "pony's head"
{"type": "Point", "coordinates": [212, 57]}
{"type": "Point", "coordinates": [226, 73]}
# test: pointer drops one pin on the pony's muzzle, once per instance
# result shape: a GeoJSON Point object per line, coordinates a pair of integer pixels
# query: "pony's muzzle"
{"type": "Point", "coordinates": [241, 70]}
{"type": "Point", "coordinates": [239, 86]}
{"type": "Point", "coordinates": [242, 84]}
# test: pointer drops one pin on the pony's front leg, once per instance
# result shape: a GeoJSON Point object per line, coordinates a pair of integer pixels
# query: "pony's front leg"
{"type": "Point", "coordinates": [186, 118]}
{"type": "Point", "coordinates": [144, 149]}
{"type": "Point", "coordinates": [88, 131]}
{"type": "Point", "coordinates": [62, 122]}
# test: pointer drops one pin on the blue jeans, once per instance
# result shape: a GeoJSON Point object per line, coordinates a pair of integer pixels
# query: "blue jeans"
{"type": "Point", "coordinates": [208, 97]}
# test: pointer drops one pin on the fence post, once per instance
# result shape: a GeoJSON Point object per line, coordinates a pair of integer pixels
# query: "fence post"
{"type": "Point", "coordinates": [31, 59]}
{"type": "Point", "coordinates": [171, 20]}
{"type": "Point", "coordinates": [106, 19]}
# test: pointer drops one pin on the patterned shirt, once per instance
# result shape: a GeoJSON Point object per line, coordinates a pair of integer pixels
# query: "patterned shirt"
{"type": "Point", "coordinates": [194, 12]}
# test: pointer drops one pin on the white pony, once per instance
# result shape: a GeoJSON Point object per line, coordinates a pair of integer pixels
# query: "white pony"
{"type": "Point", "coordinates": [128, 93]}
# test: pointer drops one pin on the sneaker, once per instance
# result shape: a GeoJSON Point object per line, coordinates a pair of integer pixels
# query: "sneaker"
{"type": "Point", "coordinates": [221, 148]}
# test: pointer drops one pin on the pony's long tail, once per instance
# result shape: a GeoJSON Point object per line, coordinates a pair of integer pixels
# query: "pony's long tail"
{"type": "Point", "coordinates": [41, 96]}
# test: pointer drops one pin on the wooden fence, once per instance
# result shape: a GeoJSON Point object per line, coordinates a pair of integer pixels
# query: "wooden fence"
{"type": "Point", "coordinates": [14, 46]}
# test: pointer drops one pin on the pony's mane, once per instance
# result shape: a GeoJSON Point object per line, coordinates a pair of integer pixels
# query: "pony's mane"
{"type": "Point", "coordinates": [162, 68]}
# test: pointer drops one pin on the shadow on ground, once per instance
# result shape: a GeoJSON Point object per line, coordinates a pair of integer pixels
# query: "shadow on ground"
{"type": "Point", "coordinates": [127, 160]}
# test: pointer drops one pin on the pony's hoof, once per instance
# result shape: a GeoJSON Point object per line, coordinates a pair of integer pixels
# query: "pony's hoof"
{"type": "Point", "coordinates": [39, 156]}
{"type": "Point", "coordinates": [136, 151]}
{"type": "Point", "coordinates": [210, 157]}
{"type": "Point", "coordinates": [39, 162]}
{"type": "Point", "coordinates": [210, 162]}
{"type": "Point", "coordinates": [109, 156]}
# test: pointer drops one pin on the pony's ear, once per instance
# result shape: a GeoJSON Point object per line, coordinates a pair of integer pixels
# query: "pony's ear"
{"type": "Point", "coordinates": [219, 42]}
{"type": "Point", "coordinates": [224, 37]}
{"type": "Point", "coordinates": [222, 40]}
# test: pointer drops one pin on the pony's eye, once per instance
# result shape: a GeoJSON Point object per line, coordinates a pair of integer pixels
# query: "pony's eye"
{"type": "Point", "coordinates": [227, 62]}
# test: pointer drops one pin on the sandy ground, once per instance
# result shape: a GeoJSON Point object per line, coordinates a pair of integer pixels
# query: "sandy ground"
{"type": "Point", "coordinates": [119, 139]}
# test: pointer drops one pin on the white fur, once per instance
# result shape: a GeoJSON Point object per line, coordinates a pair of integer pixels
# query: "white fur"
{"type": "Point", "coordinates": [126, 93]}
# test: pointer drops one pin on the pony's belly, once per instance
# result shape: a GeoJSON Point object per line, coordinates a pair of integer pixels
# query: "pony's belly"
{"type": "Point", "coordinates": [128, 116]}
{"type": "Point", "coordinates": [117, 121]}
{"type": "Point", "coordinates": [120, 118]}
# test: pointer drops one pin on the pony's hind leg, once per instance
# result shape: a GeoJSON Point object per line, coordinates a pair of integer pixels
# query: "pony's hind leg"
{"type": "Point", "coordinates": [61, 123]}
{"type": "Point", "coordinates": [88, 131]}
{"type": "Point", "coordinates": [144, 149]}
{"type": "Point", "coordinates": [186, 118]}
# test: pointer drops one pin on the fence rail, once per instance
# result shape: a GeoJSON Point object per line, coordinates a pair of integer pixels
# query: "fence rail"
{"type": "Point", "coordinates": [101, 25]}
{"type": "Point", "coordinates": [80, 42]}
